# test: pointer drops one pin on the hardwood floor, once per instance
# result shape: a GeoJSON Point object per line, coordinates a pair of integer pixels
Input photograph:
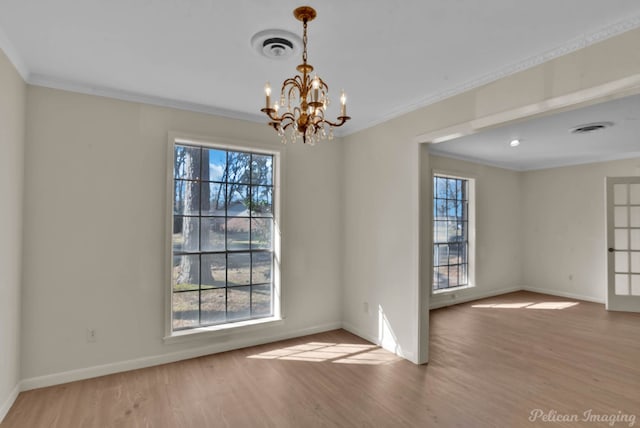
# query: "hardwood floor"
{"type": "Point", "coordinates": [493, 362]}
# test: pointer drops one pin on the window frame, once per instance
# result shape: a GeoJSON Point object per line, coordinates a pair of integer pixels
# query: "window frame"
{"type": "Point", "coordinates": [471, 230]}
{"type": "Point", "coordinates": [173, 336]}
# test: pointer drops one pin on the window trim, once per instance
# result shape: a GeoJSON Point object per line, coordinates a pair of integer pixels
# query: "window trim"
{"type": "Point", "coordinates": [171, 336]}
{"type": "Point", "coordinates": [471, 224]}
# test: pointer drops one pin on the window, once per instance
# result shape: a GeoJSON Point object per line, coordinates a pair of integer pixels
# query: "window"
{"type": "Point", "coordinates": [222, 255]}
{"type": "Point", "coordinates": [451, 226]}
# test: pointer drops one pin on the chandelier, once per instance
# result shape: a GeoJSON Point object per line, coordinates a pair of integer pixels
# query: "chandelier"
{"type": "Point", "coordinates": [303, 99]}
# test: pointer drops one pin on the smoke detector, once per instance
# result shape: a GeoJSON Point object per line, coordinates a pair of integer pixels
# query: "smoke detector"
{"type": "Point", "coordinates": [590, 127]}
{"type": "Point", "coordinates": [276, 44]}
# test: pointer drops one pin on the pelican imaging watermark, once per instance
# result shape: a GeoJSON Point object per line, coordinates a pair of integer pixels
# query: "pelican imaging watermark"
{"type": "Point", "coordinates": [588, 416]}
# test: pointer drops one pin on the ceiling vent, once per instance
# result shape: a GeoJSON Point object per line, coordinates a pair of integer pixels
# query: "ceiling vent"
{"type": "Point", "coordinates": [590, 127]}
{"type": "Point", "coordinates": [276, 44]}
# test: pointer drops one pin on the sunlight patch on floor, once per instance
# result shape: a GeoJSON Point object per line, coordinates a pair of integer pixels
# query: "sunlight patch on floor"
{"type": "Point", "coordinates": [503, 305]}
{"type": "Point", "coordinates": [341, 353]}
{"type": "Point", "coordinates": [527, 305]}
{"type": "Point", "coordinates": [552, 305]}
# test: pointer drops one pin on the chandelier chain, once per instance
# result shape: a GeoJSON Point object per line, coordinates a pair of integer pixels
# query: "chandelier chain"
{"type": "Point", "coordinates": [304, 42]}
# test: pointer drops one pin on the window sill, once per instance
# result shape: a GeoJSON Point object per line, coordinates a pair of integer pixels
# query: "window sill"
{"type": "Point", "coordinates": [451, 290]}
{"type": "Point", "coordinates": [221, 330]}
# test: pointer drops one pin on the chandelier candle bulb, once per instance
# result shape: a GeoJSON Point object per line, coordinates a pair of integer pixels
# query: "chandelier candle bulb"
{"type": "Point", "coordinates": [315, 84]}
{"type": "Point", "coordinates": [343, 104]}
{"type": "Point", "coordinates": [267, 91]}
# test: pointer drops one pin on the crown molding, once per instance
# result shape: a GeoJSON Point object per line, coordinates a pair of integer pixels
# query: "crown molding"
{"type": "Point", "coordinates": [434, 151]}
{"type": "Point", "coordinates": [14, 57]}
{"type": "Point", "coordinates": [570, 46]}
{"type": "Point", "coordinates": [46, 81]}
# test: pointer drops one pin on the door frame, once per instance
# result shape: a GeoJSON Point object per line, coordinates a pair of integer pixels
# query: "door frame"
{"type": "Point", "coordinates": [615, 302]}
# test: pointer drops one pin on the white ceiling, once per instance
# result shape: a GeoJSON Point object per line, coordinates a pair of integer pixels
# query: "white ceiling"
{"type": "Point", "coordinates": [390, 56]}
{"type": "Point", "coordinates": [547, 141]}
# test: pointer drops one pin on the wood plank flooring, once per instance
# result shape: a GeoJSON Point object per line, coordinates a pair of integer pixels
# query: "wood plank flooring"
{"type": "Point", "coordinates": [492, 363]}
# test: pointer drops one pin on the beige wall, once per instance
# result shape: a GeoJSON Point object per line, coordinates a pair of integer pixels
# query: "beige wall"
{"type": "Point", "coordinates": [382, 219]}
{"type": "Point", "coordinates": [541, 230]}
{"type": "Point", "coordinates": [12, 124]}
{"type": "Point", "coordinates": [498, 258]}
{"type": "Point", "coordinates": [564, 226]}
{"type": "Point", "coordinates": [95, 234]}
{"type": "Point", "coordinates": [381, 238]}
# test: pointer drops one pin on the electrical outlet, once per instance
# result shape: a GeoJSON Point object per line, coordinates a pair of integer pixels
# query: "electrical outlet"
{"type": "Point", "coordinates": [91, 335]}
{"type": "Point", "coordinates": [365, 307]}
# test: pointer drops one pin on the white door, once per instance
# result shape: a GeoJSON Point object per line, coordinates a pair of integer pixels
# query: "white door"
{"type": "Point", "coordinates": [623, 241]}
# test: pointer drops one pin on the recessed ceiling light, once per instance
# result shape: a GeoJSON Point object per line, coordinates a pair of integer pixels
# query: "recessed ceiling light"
{"type": "Point", "coordinates": [514, 143]}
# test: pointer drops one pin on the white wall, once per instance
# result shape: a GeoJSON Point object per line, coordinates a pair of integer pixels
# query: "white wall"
{"type": "Point", "coordinates": [95, 225]}
{"type": "Point", "coordinates": [564, 224]}
{"type": "Point", "coordinates": [12, 125]}
{"type": "Point", "coordinates": [498, 258]}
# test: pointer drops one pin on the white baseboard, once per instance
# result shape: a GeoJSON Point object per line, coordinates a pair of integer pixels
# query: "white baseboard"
{"type": "Point", "coordinates": [472, 294]}
{"type": "Point", "coordinates": [139, 363]}
{"type": "Point", "coordinates": [375, 340]}
{"type": "Point", "coordinates": [354, 330]}
{"type": "Point", "coordinates": [4, 409]}
{"type": "Point", "coordinates": [563, 294]}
